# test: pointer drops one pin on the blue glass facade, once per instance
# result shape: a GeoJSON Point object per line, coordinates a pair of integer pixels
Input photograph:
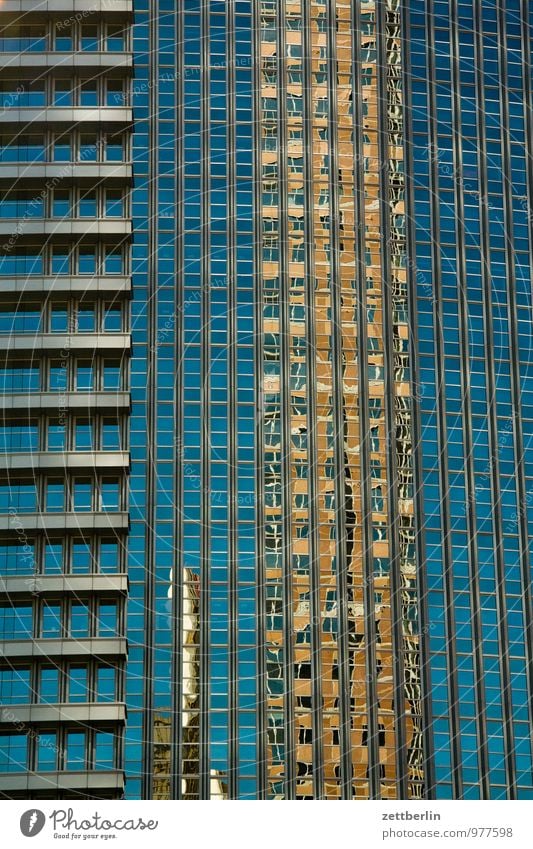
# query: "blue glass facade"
{"type": "Point", "coordinates": [266, 471]}
{"type": "Point", "coordinates": [470, 149]}
{"type": "Point", "coordinates": [193, 415]}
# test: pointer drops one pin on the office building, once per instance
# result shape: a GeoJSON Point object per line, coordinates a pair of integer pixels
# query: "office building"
{"type": "Point", "coordinates": [266, 399]}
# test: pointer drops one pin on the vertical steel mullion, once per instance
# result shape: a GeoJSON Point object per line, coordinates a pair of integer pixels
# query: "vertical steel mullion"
{"type": "Point", "coordinates": [450, 645]}
{"type": "Point", "coordinates": [178, 565]}
{"type": "Point", "coordinates": [205, 511]}
{"type": "Point", "coordinates": [364, 421]}
{"type": "Point", "coordinates": [515, 394]}
{"type": "Point", "coordinates": [151, 412]}
{"type": "Point", "coordinates": [527, 600]}
{"type": "Point", "coordinates": [491, 398]}
{"type": "Point", "coordinates": [285, 349]}
{"type": "Point", "coordinates": [233, 607]}
{"type": "Point", "coordinates": [390, 399]}
{"type": "Point", "coordinates": [312, 423]}
{"type": "Point", "coordinates": [261, 727]}
{"type": "Point", "coordinates": [427, 712]}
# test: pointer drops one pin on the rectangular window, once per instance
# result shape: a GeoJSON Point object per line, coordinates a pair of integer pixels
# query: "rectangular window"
{"type": "Point", "coordinates": [49, 685]}
{"type": "Point", "coordinates": [107, 619]}
{"type": "Point", "coordinates": [16, 623]}
{"type": "Point", "coordinates": [75, 755]}
{"type": "Point", "coordinates": [15, 686]}
{"type": "Point", "coordinates": [105, 684]}
{"type": "Point", "coordinates": [82, 496]}
{"type": "Point", "coordinates": [55, 496]}
{"type": "Point", "coordinates": [79, 621]}
{"type": "Point", "coordinates": [84, 437]}
{"type": "Point", "coordinates": [14, 753]}
{"type": "Point", "coordinates": [77, 684]}
{"type": "Point", "coordinates": [104, 755]}
{"type": "Point", "coordinates": [51, 621]}
{"type": "Point", "coordinates": [81, 557]}
{"type": "Point", "coordinates": [109, 562]}
{"type": "Point", "coordinates": [84, 377]}
{"type": "Point", "coordinates": [53, 558]}
{"type": "Point", "coordinates": [110, 435]}
{"type": "Point", "coordinates": [47, 751]}
{"type": "Point", "coordinates": [110, 495]}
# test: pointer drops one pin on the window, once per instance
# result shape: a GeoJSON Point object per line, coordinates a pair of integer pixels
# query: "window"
{"type": "Point", "coordinates": [82, 496]}
{"type": "Point", "coordinates": [84, 437]}
{"type": "Point", "coordinates": [62, 150]}
{"type": "Point", "coordinates": [81, 557]}
{"type": "Point", "coordinates": [112, 376]}
{"type": "Point", "coordinates": [53, 558]}
{"type": "Point", "coordinates": [89, 93]}
{"type": "Point", "coordinates": [61, 204]}
{"type": "Point", "coordinates": [15, 686]}
{"type": "Point", "coordinates": [89, 37]}
{"type": "Point", "coordinates": [84, 376]}
{"type": "Point", "coordinates": [15, 622]}
{"type": "Point", "coordinates": [79, 621]}
{"type": "Point", "coordinates": [87, 207]}
{"type": "Point", "coordinates": [47, 751]}
{"type": "Point", "coordinates": [114, 149]}
{"type": "Point", "coordinates": [85, 320]}
{"type": "Point", "coordinates": [63, 93]}
{"type": "Point", "coordinates": [49, 685]}
{"type": "Point", "coordinates": [116, 38]}
{"type": "Point", "coordinates": [77, 684]}
{"type": "Point", "coordinates": [51, 621]}
{"type": "Point", "coordinates": [14, 753]}
{"type": "Point", "coordinates": [58, 377]}
{"type": "Point", "coordinates": [17, 559]}
{"type": "Point", "coordinates": [75, 753]}
{"type": "Point", "coordinates": [56, 440]}
{"type": "Point", "coordinates": [111, 435]}
{"type": "Point", "coordinates": [114, 203]}
{"type": "Point", "coordinates": [59, 319]}
{"type": "Point", "coordinates": [107, 619]}
{"type": "Point", "coordinates": [104, 754]}
{"type": "Point", "coordinates": [55, 496]}
{"type": "Point", "coordinates": [113, 319]}
{"type": "Point", "coordinates": [105, 684]}
{"type": "Point", "coordinates": [113, 263]}
{"type": "Point", "coordinates": [110, 495]}
{"type": "Point", "coordinates": [60, 260]}
{"type": "Point", "coordinates": [63, 37]}
{"type": "Point", "coordinates": [109, 560]}
{"type": "Point", "coordinates": [115, 93]}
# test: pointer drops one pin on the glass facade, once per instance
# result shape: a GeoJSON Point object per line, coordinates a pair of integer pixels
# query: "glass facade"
{"type": "Point", "coordinates": [264, 493]}
{"type": "Point", "coordinates": [470, 200]}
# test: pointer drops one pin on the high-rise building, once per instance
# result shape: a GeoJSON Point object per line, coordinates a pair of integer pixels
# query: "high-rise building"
{"type": "Point", "coordinates": [265, 306]}
{"type": "Point", "coordinates": [65, 177]}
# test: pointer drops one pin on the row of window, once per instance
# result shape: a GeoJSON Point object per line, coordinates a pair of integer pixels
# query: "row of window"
{"type": "Point", "coordinates": [71, 317]}
{"type": "Point", "coordinates": [65, 203]}
{"type": "Point", "coordinates": [63, 36]}
{"type": "Point", "coordinates": [60, 619]}
{"type": "Point", "coordinates": [73, 555]}
{"type": "Point", "coordinates": [74, 750]}
{"type": "Point", "coordinates": [68, 374]}
{"type": "Point", "coordinates": [65, 147]}
{"type": "Point", "coordinates": [79, 434]}
{"type": "Point", "coordinates": [65, 259]}
{"type": "Point", "coordinates": [74, 682]}
{"type": "Point", "coordinates": [64, 91]}
{"type": "Point", "coordinates": [57, 495]}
